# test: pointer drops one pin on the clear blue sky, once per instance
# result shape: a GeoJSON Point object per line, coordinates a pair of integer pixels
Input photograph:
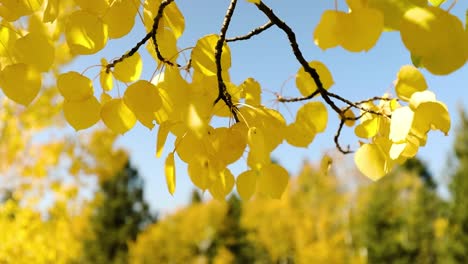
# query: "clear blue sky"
{"type": "Point", "coordinates": [269, 60]}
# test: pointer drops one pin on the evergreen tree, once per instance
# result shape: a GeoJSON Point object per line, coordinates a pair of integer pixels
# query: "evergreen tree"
{"type": "Point", "coordinates": [458, 215]}
{"type": "Point", "coordinates": [398, 216]}
{"type": "Point", "coordinates": [234, 237]}
{"type": "Point", "coordinates": [121, 215]}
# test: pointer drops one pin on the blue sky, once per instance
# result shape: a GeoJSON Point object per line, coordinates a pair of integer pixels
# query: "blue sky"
{"type": "Point", "coordinates": [268, 59]}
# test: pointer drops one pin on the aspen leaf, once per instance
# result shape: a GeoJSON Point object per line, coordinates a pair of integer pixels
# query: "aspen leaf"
{"type": "Point", "coordinates": [368, 128]}
{"type": "Point", "coordinates": [8, 38]}
{"type": "Point", "coordinates": [199, 169]}
{"type": "Point", "coordinates": [246, 184]}
{"type": "Point", "coordinates": [74, 86]}
{"type": "Point", "coordinates": [251, 92]}
{"type": "Point", "coordinates": [222, 186]}
{"type": "Point", "coordinates": [313, 113]}
{"type": "Point", "coordinates": [371, 161]}
{"type": "Point", "coordinates": [306, 84]}
{"type": "Point", "coordinates": [143, 99]}
{"type": "Point", "coordinates": [437, 37]}
{"type": "Point", "coordinates": [105, 98]}
{"type": "Point", "coordinates": [409, 80]}
{"type": "Point", "coordinates": [169, 169]}
{"type": "Point", "coordinates": [82, 114]}
{"type": "Point", "coordinates": [203, 56]}
{"type": "Point", "coordinates": [129, 70]}
{"type": "Point", "coordinates": [120, 17]}
{"type": "Point", "coordinates": [27, 47]}
{"type": "Point", "coordinates": [272, 180]}
{"type": "Point", "coordinates": [20, 82]}
{"type": "Point", "coordinates": [163, 131]}
{"type": "Point", "coordinates": [326, 32]}
{"type": "Point", "coordinates": [300, 135]}
{"type": "Point", "coordinates": [97, 7]}
{"type": "Point", "coordinates": [254, 1]}
{"type": "Point", "coordinates": [85, 33]}
{"type": "Point", "coordinates": [349, 114]}
{"type": "Point", "coordinates": [105, 78]}
{"type": "Point", "coordinates": [430, 115]}
{"type": "Point", "coordinates": [51, 11]}
{"type": "Point", "coordinates": [117, 116]}
{"type": "Point", "coordinates": [400, 124]}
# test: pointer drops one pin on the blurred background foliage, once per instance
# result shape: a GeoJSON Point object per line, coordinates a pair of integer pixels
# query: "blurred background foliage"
{"type": "Point", "coordinates": [329, 214]}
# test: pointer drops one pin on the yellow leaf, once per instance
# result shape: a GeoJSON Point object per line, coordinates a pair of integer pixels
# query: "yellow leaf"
{"type": "Point", "coordinates": [306, 84]}
{"type": "Point", "coordinates": [254, 1]}
{"type": "Point", "coordinates": [325, 164]}
{"type": "Point", "coordinates": [223, 185]}
{"type": "Point", "coordinates": [117, 116]}
{"type": "Point", "coordinates": [51, 11]}
{"type": "Point", "coordinates": [409, 80]}
{"type": "Point", "coordinates": [252, 92]}
{"type": "Point", "coordinates": [349, 114]}
{"type": "Point", "coordinates": [368, 128]}
{"type": "Point", "coordinates": [8, 38]}
{"type": "Point", "coordinates": [74, 86]}
{"type": "Point", "coordinates": [85, 33]}
{"type": "Point", "coordinates": [143, 99]}
{"type": "Point", "coordinates": [314, 114]}
{"type": "Point", "coordinates": [120, 17]}
{"type": "Point", "coordinates": [400, 124]}
{"type": "Point", "coordinates": [105, 98]}
{"type": "Point", "coordinates": [82, 114]}
{"type": "Point", "coordinates": [96, 7]}
{"type": "Point", "coordinates": [14, 9]}
{"type": "Point", "coordinates": [326, 32]}
{"type": "Point", "coordinates": [246, 184]}
{"type": "Point", "coordinates": [361, 29]}
{"type": "Point", "coordinates": [300, 134]}
{"type": "Point", "coordinates": [437, 37]}
{"type": "Point", "coordinates": [105, 79]}
{"type": "Point", "coordinates": [163, 131]}
{"type": "Point", "coordinates": [371, 161]}
{"type": "Point", "coordinates": [203, 56]}
{"type": "Point", "coordinates": [430, 115]}
{"type": "Point", "coordinates": [129, 70]}
{"type": "Point", "coordinates": [393, 10]}
{"type": "Point", "coordinates": [20, 82]}
{"type": "Point", "coordinates": [272, 181]}
{"type": "Point", "coordinates": [169, 169]}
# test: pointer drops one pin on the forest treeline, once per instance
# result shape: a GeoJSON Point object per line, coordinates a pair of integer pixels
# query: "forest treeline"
{"type": "Point", "coordinates": [326, 216]}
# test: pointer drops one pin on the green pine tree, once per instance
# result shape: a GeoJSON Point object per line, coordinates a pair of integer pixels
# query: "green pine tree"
{"type": "Point", "coordinates": [121, 215]}
{"type": "Point", "coordinates": [458, 215]}
{"type": "Point", "coordinates": [396, 225]}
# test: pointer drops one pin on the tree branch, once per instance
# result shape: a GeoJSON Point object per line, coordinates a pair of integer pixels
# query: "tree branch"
{"type": "Point", "coordinates": [154, 30]}
{"type": "Point", "coordinates": [223, 94]}
{"type": "Point", "coordinates": [298, 54]}
{"type": "Point", "coordinates": [252, 33]}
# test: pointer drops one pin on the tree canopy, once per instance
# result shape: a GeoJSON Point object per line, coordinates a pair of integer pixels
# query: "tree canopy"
{"type": "Point", "coordinates": [216, 122]}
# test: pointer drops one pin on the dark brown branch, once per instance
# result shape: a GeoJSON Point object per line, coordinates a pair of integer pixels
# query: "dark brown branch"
{"type": "Point", "coordinates": [223, 94]}
{"type": "Point", "coordinates": [296, 99]}
{"type": "Point", "coordinates": [149, 35]}
{"type": "Point", "coordinates": [357, 104]}
{"type": "Point", "coordinates": [337, 137]}
{"type": "Point", "coordinates": [129, 53]}
{"type": "Point", "coordinates": [298, 54]}
{"type": "Point", "coordinates": [252, 33]}
{"type": "Point", "coordinates": [154, 31]}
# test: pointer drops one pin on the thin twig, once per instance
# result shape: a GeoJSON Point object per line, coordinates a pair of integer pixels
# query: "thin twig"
{"type": "Point", "coordinates": [149, 35]}
{"type": "Point", "coordinates": [337, 136]}
{"type": "Point", "coordinates": [298, 54]}
{"type": "Point", "coordinates": [252, 33]}
{"type": "Point", "coordinates": [154, 31]}
{"type": "Point", "coordinates": [357, 104]}
{"type": "Point", "coordinates": [223, 94]}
